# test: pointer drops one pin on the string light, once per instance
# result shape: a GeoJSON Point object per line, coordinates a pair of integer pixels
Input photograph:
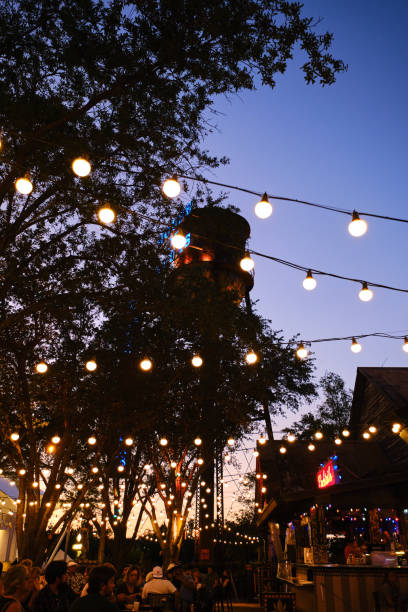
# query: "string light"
{"type": "Point", "coordinates": [345, 433]}
{"type": "Point", "coordinates": [129, 441]}
{"type": "Point", "coordinates": [357, 227]}
{"type": "Point", "coordinates": [106, 214]}
{"type": "Point", "coordinates": [163, 442]}
{"type": "Point", "coordinates": [23, 185]}
{"type": "Point", "coordinates": [91, 365]}
{"type": "Point", "coordinates": [92, 440]}
{"type": "Point", "coordinates": [95, 470]}
{"type": "Point", "coordinates": [146, 364]}
{"type": "Point", "coordinates": [263, 208]}
{"type": "Point", "coordinates": [251, 357]}
{"type": "Point", "coordinates": [355, 346]}
{"type": "Point", "coordinates": [230, 441]}
{"type": "Point", "coordinates": [372, 429]}
{"type": "Point", "coordinates": [301, 351]}
{"type": "Point", "coordinates": [291, 437]}
{"type": "Point", "coordinates": [178, 241]}
{"type": "Point", "coordinates": [171, 187]}
{"type": "Point", "coordinates": [55, 439]}
{"type": "Point", "coordinates": [247, 263]}
{"type": "Point", "coordinates": [282, 450]}
{"type": "Point", "coordinates": [41, 367]}
{"type": "Point", "coordinates": [255, 453]}
{"type": "Point", "coordinates": [365, 294]}
{"type": "Point", "coordinates": [198, 441]}
{"type": "Point", "coordinates": [121, 468]}
{"type": "Point", "coordinates": [196, 361]}
{"type": "Point", "coordinates": [14, 437]}
{"type": "Point", "coordinates": [311, 447]}
{"type": "Point", "coordinates": [81, 167]}
{"type": "Point", "coordinates": [200, 461]}
{"type": "Point", "coordinates": [366, 435]}
{"type": "Point", "coordinates": [309, 283]}
{"type": "Point", "coordinates": [396, 428]}
{"type": "Point", "coordinates": [21, 472]}
{"type": "Point", "coordinates": [405, 345]}
{"type": "Point", "coordinates": [50, 449]}
{"type": "Point", "coordinates": [318, 435]}
{"type": "Point", "coordinates": [338, 441]}
{"type": "Point", "coordinates": [262, 439]}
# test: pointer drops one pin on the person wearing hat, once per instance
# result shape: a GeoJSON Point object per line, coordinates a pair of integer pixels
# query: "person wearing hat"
{"type": "Point", "coordinates": [158, 585]}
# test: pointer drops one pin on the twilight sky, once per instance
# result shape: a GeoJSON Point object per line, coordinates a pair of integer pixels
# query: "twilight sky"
{"type": "Point", "coordinates": [345, 146]}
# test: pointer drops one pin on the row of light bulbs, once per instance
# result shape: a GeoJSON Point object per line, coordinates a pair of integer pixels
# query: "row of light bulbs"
{"type": "Point", "coordinates": [263, 209]}
{"type": "Point", "coordinates": [80, 166]}
{"type": "Point", "coordinates": [302, 352]}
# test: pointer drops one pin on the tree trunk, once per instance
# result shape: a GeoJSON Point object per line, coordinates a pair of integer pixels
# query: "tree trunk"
{"type": "Point", "coordinates": [102, 538]}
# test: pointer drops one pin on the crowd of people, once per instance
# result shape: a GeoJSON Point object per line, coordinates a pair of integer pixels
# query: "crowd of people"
{"type": "Point", "coordinates": [68, 587]}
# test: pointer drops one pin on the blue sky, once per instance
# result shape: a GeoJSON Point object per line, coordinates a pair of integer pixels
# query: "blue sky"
{"type": "Point", "coordinates": [344, 145]}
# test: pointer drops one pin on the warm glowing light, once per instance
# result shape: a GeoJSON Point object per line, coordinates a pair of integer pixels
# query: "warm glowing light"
{"type": "Point", "coordinates": [50, 449]}
{"type": "Point", "coordinates": [121, 468]}
{"type": "Point", "coordinates": [91, 365]}
{"type": "Point", "coordinates": [338, 441]}
{"type": "Point", "coordinates": [372, 429]}
{"type": "Point", "coordinates": [251, 357]}
{"type": "Point", "coordinates": [255, 453]}
{"type": "Point", "coordinates": [311, 447]}
{"type": "Point", "coordinates": [396, 428]}
{"type": "Point", "coordinates": [357, 227]}
{"type": "Point", "coordinates": [318, 435]}
{"type": "Point", "coordinates": [41, 367]}
{"type": "Point", "coordinates": [178, 241]}
{"type": "Point", "coordinates": [95, 470]}
{"type": "Point", "coordinates": [302, 352]}
{"type": "Point", "coordinates": [282, 450]}
{"type": "Point", "coordinates": [405, 345]}
{"type": "Point", "coordinates": [35, 484]}
{"type": "Point", "coordinates": [263, 208]}
{"type": "Point", "coordinates": [163, 442]}
{"type": "Point", "coordinates": [366, 435]}
{"type": "Point", "coordinates": [291, 437]}
{"type": "Point", "coordinates": [197, 361]}
{"type": "Point", "coordinates": [81, 166]}
{"type": "Point", "coordinates": [23, 186]}
{"type": "Point", "coordinates": [129, 441]}
{"type": "Point", "coordinates": [262, 439]}
{"type": "Point", "coordinates": [14, 437]}
{"type": "Point", "coordinates": [198, 441]}
{"type": "Point", "coordinates": [21, 472]}
{"type": "Point", "coordinates": [92, 440]}
{"type": "Point", "coordinates": [365, 294]}
{"type": "Point", "coordinates": [55, 439]}
{"type": "Point", "coordinates": [200, 461]}
{"type": "Point", "coordinates": [355, 346]}
{"type": "Point", "coordinates": [173, 464]}
{"type": "Point", "coordinates": [146, 364]}
{"type": "Point", "coordinates": [247, 263]}
{"type": "Point", "coordinates": [106, 214]}
{"type": "Point", "coordinates": [309, 283]}
{"type": "Point", "coordinates": [171, 187]}
{"type": "Point", "coordinates": [230, 441]}
{"type": "Point", "coordinates": [345, 433]}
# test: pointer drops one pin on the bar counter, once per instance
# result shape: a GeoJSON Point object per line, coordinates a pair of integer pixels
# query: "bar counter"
{"type": "Point", "coordinates": [339, 588]}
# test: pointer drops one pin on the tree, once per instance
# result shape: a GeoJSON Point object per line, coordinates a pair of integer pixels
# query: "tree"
{"type": "Point", "coordinates": [332, 415]}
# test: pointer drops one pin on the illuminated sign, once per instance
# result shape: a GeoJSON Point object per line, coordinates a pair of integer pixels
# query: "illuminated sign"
{"type": "Point", "coordinates": [326, 476]}
{"type": "Point", "coordinates": [165, 237]}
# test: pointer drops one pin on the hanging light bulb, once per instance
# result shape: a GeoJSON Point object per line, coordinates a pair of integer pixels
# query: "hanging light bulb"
{"type": "Point", "coordinates": [230, 441]}
{"type": "Point", "coordinates": [21, 472]}
{"type": "Point", "coordinates": [146, 364]}
{"type": "Point", "coordinates": [247, 263]}
{"type": "Point", "coordinates": [301, 351]}
{"type": "Point", "coordinates": [92, 440]}
{"type": "Point", "coordinates": [345, 433]}
{"type": "Point", "coordinates": [282, 450]}
{"type": "Point", "coordinates": [366, 435]}
{"type": "Point", "coordinates": [173, 464]}
{"type": "Point", "coordinates": [121, 468]}
{"type": "Point", "coordinates": [263, 209]}
{"type": "Point", "coordinates": [129, 441]}
{"type": "Point", "coordinates": [171, 187]}
{"type": "Point", "coordinates": [255, 453]}
{"type": "Point", "coordinates": [396, 428]}
{"type": "Point", "coordinates": [405, 345]}
{"type": "Point", "coordinates": [200, 461]}
{"type": "Point", "coordinates": [23, 185]}
{"type": "Point", "coordinates": [198, 441]}
{"type": "Point", "coordinates": [372, 429]}
{"type": "Point", "coordinates": [309, 283]}
{"type": "Point", "coordinates": [365, 294]}
{"type": "Point", "coordinates": [355, 346]}
{"type": "Point", "coordinates": [357, 227]}
{"type": "Point", "coordinates": [95, 470]}
{"type": "Point", "coordinates": [178, 241]}
{"type": "Point", "coordinates": [262, 439]}
{"type": "Point", "coordinates": [338, 441]}
{"type": "Point", "coordinates": [55, 439]}
{"type": "Point", "coordinates": [106, 214]}
{"type": "Point", "coordinates": [91, 365]}
{"type": "Point", "coordinates": [311, 447]}
{"type": "Point", "coordinates": [14, 437]}
{"type": "Point", "coordinates": [81, 167]}
{"type": "Point", "coordinates": [41, 367]}
{"type": "Point", "coordinates": [291, 438]}
{"type": "Point", "coordinates": [163, 442]}
{"type": "Point", "coordinates": [251, 357]}
{"type": "Point", "coordinates": [318, 435]}
{"type": "Point", "coordinates": [196, 361]}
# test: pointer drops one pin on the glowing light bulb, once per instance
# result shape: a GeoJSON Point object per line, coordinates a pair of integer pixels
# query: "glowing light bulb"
{"type": "Point", "coordinates": [121, 468]}
{"type": "Point", "coordinates": [41, 367]}
{"type": "Point", "coordinates": [262, 439]}
{"type": "Point", "coordinates": [50, 449]}
{"type": "Point", "coordinates": [345, 433]}
{"type": "Point", "coordinates": [255, 453]}
{"type": "Point", "coordinates": [55, 439]}
{"type": "Point", "coordinates": [372, 429]}
{"type": "Point", "coordinates": [92, 440]}
{"type": "Point", "coordinates": [282, 450]}
{"type": "Point", "coordinates": [23, 186]}
{"type": "Point", "coordinates": [163, 442]}
{"type": "Point", "coordinates": [14, 437]}
{"type": "Point", "coordinates": [146, 364]}
{"type": "Point", "coordinates": [171, 187]}
{"type": "Point", "coordinates": [263, 208]}
{"type": "Point", "coordinates": [95, 470]}
{"type": "Point", "coordinates": [129, 441]}
{"type": "Point", "coordinates": [198, 441]}
{"type": "Point", "coordinates": [405, 345]}
{"type": "Point", "coordinates": [365, 294]}
{"type": "Point", "coordinates": [81, 167]}
{"type": "Point", "coordinates": [302, 352]}
{"type": "Point", "coordinates": [247, 263]}
{"type": "Point", "coordinates": [173, 464]}
{"type": "Point", "coordinates": [366, 435]}
{"type": "Point", "coordinates": [106, 214]}
{"type": "Point", "coordinates": [21, 472]}
{"type": "Point", "coordinates": [178, 241]}
{"type": "Point", "coordinates": [318, 435]}
{"type": "Point", "coordinates": [196, 361]}
{"type": "Point", "coordinates": [200, 461]}
{"type": "Point", "coordinates": [357, 227]}
{"type": "Point", "coordinates": [309, 283]}
{"type": "Point", "coordinates": [338, 441]}
{"type": "Point", "coordinates": [396, 428]}
{"type": "Point", "coordinates": [355, 346]}
{"type": "Point", "coordinates": [230, 441]}
{"type": "Point", "coordinates": [91, 365]}
{"type": "Point", "coordinates": [251, 357]}
{"type": "Point", "coordinates": [291, 438]}
{"type": "Point", "coordinates": [311, 447]}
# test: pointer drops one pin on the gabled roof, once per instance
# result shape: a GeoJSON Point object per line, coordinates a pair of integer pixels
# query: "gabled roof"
{"type": "Point", "coordinates": [392, 383]}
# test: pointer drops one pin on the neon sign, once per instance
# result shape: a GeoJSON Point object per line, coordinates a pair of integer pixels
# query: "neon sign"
{"type": "Point", "coordinates": [165, 237]}
{"type": "Point", "coordinates": [326, 476]}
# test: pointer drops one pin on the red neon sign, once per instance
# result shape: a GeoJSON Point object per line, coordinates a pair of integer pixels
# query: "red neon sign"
{"type": "Point", "coordinates": [326, 477]}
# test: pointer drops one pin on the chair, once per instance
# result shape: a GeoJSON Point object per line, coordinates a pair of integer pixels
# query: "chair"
{"type": "Point", "coordinates": [160, 602]}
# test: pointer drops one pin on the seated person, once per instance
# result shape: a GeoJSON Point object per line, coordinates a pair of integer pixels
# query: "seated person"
{"type": "Point", "coordinates": [158, 585]}
{"type": "Point", "coordinates": [129, 591]}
